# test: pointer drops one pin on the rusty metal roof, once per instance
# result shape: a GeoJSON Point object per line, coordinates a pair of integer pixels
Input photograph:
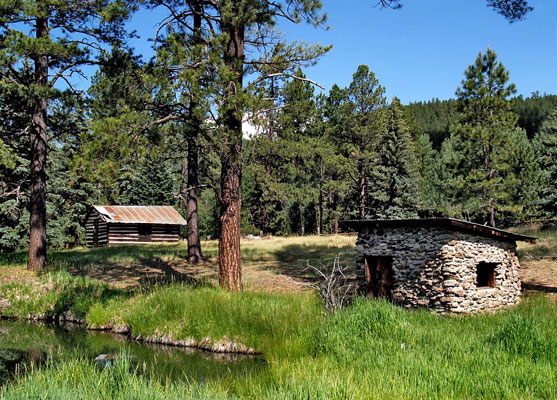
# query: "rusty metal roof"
{"type": "Point", "coordinates": [140, 215]}
{"type": "Point", "coordinates": [450, 223]}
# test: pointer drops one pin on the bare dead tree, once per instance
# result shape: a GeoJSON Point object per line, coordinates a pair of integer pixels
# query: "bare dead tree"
{"type": "Point", "coordinates": [335, 287]}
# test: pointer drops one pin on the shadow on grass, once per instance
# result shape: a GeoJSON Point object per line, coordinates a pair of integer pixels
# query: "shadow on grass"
{"type": "Point", "coordinates": [293, 260]}
{"type": "Point", "coordinates": [129, 266]}
{"type": "Point", "coordinates": [539, 288]}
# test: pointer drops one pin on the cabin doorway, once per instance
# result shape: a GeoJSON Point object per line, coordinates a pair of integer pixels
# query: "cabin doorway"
{"type": "Point", "coordinates": [379, 277]}
{"type": "Point", "coordinates": [96, 233]}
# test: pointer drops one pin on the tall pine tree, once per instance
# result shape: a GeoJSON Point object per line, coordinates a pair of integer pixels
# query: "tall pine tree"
{"type": "Point", "coordinates": [54, 38]}
{"type": "Point", "coordinates": [393, 190]}
{"type": "Point", "coordinates": [545, 144]}
{"type": "Point", "coordinates": [485, 127]}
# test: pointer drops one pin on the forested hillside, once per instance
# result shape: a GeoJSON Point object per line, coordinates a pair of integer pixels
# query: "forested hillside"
{"type": "Point", "coordinates": [435, 117]}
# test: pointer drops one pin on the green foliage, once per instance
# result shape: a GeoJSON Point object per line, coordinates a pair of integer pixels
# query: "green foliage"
{"type": "Point", "coordinates": [393, 187]}
{"type": "Point", "coordinates": [545, 144]}
{"type": "Point", "coordinates": [434, 118]}
{"type": "Point", "coordinates": [488, 168]}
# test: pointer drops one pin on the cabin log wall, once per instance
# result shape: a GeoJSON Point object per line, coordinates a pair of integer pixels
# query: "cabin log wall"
{"type": "Point", "coordinates": [121, 234]}
{"type": "Point", "coordinates": [90, 230]}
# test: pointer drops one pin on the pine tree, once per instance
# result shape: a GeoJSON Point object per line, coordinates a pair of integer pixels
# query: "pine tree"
{"type": "Point", "coordinates": [511, 10]}
{"type": "Point", "coordinates": [393, 189]}
{"type": "Point", "coordinates": [485, 127]}
{"type": "Point", "coordinates": [53, 38]}
{"type": "Point", "coordinates": [237, 30]}
{"type": "Point", "coordinates": [357, 114]}
{"type": "Point", "coordinates": [521, 178]}
{"type": "Point", "coordinates": [428, 179]}
{"type": "Point", "coordinates": [545, 144]}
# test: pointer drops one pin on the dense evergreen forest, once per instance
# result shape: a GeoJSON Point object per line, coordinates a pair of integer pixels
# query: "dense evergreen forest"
{"type": "Point", "coordinates": [314, 159]}
{"type": "Point", "coordinates": [169, 131]}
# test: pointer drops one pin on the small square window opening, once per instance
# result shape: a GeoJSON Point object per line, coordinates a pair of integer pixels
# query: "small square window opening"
{"type": "Point", "coordinates": [485, 273]}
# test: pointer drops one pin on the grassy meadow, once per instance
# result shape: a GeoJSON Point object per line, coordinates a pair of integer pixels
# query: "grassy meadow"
{"type": "Point", "coordinates": [371, 349]}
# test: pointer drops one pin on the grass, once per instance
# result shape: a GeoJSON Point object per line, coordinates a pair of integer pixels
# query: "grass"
{"type": "Point", "coordinates": [54, 294]}
{"type": "Point", "coordinates": [80, 379]}
{"type": "Point", "coordinates": [369, 350]}
{"type": "Point", "coordinates": [539, 261]}
{"type": "Point", "coordinates": [271, 323]}
{"type": "Point", "coordinates": [269, 265]}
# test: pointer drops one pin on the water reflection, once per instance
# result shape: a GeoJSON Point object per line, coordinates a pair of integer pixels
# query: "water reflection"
{"type": "Point", "coordinates": [25, 345]}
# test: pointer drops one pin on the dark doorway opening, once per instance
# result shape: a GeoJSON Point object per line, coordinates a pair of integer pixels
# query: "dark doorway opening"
{"type": "Point", "coordinates": [485, 273]}
{"type": "Point", "coordinates": [144, 232]}
{"type": "Point", "coordinates": [379, 276]}
{"type": "Point", "coordinates": [96, 233]}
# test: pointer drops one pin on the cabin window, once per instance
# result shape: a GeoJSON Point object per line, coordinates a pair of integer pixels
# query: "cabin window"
{"type": "Point", "coordinates": [485, 274]}
{"type": "Point", "coordinates": [144, 232]}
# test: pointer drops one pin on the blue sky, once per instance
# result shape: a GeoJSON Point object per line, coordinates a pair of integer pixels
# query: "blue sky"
{"type": "Point", "coordinates": [420, 52]}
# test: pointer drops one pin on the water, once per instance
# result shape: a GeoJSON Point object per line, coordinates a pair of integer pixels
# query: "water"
{"type": "Point", "coordinates": [24, 345]}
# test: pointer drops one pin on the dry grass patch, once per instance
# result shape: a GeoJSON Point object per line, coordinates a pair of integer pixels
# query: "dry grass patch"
{"type": "Point", "coordinates": [539, 261]}
{"type": "Point", "coordinates": [274, 264]}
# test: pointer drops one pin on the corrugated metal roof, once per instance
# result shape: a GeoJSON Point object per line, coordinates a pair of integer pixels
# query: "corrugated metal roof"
{"type": "Point", "coordinates": [452, 223]}
{"type": "Point", "coordinates": [140, 215]}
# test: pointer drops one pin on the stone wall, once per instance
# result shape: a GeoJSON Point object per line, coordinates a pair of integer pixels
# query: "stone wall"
{"type": "Point", "coordinates": [437, 268]}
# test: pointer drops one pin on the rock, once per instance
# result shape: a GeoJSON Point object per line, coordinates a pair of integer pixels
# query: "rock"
{"type": "Point", "coordinates": [122, 329]}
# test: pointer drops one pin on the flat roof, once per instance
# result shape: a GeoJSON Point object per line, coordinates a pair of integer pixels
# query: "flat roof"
{"type": "Point", "coordinates": [449, 223]}
{"type": "Point", "coordinates": [165, 215]}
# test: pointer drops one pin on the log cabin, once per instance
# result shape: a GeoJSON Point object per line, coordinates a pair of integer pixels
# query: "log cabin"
{"type": "Point", "coordinates": [125, 225]}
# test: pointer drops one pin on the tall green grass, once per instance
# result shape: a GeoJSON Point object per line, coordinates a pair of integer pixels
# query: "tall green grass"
{"type": "Point", "coordinates": [371, 350]}
{"type": "Point", "coordinates": [272, 323]}
{"type": "Point", "coordinates": [55, 293]}
{"type": "Point", "coordinates": [80, 379]}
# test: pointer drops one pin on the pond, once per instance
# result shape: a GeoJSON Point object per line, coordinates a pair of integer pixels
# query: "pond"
{"type": "Point", "coordinates": [25, 345]}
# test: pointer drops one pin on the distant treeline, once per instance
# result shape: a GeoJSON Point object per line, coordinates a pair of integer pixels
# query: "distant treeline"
{"type": "Point", "coordinates": [435, 117]}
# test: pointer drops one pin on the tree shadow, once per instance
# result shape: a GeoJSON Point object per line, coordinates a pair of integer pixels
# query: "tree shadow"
{"type": "Point", "coordinates": [132, 266]}
{"type": "Point", "coordinates": [293, 260]}
{"type": "Point", "coordinates": [538, 287]}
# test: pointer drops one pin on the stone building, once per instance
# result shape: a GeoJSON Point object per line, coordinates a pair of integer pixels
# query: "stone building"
{"type": "Point", "coordinates": [444, 264]}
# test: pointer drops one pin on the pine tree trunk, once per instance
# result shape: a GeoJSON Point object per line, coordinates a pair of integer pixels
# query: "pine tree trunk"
{"type": "Point", "coordinates": [69, 209]}
{"type": "Point", "coordinates": [195, 255]}
{"type": "Point", "coordinates": [37, 201]}
{"type": "Point", "coordinates": [362, 187]}
{"type": "Point", "coordinates": [320, 205]}
{"type": "Point", "coordinates": [263, 218]}
{"type": "Point", "coordinates": [182, 189]}
{"type": "Point", "coordinates": [491, 213]}
{"type": "Point", "coordinates": [230, 265]}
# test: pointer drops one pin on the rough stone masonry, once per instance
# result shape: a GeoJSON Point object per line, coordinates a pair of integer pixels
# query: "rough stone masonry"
{"type": "Point", "coordinates": [440, 268]}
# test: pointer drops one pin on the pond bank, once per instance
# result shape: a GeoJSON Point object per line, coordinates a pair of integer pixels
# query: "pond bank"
{"type": "Point", "coordinates": [180, 315]}
{"type": "Point", "coordinates": [25, 344]}
{"type": "Point", "coordinates": [223, 345]}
